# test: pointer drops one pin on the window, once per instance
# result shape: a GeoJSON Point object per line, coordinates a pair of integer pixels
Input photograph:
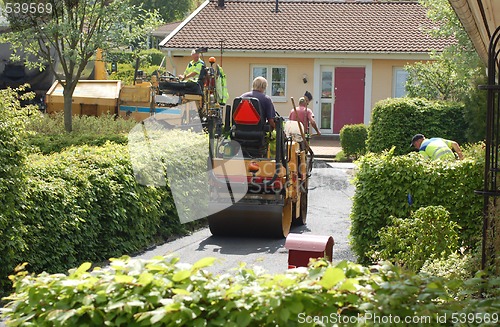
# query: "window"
{"type": "Point", "coordinates": [400, 75]}
{"type": "Point", "coordinates": [276, 80]}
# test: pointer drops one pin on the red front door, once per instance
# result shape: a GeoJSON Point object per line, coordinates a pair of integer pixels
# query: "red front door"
{"type": "Point", "coordinates": [349, 92]}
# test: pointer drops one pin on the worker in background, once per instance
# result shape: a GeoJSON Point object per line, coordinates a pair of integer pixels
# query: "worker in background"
{"type": "Point", "coordinates": [221, 85]}
{"type": "Point", "coordinates": [195, 70]}
{"type": "Point", "coordinates": [436, 147]}
{"type": "Point", "coordinates": [308, 96]}
{"type": "Point", "coordinates": [304, 115]}
{"type": "Point", "coordinates": [259, 87]}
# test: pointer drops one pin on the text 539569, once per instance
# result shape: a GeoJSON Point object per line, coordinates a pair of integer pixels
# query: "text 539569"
{"type": "Point", "coordinates": [25, 7]}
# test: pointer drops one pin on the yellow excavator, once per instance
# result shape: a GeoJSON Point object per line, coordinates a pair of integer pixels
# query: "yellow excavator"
{"type": "Point", "coordinates": [265, 174]}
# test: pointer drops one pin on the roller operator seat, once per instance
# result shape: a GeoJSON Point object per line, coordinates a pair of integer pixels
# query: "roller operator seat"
{"type": "Point", "coordinates": [249, 127]}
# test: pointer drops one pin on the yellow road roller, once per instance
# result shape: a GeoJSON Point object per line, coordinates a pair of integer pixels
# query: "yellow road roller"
{"type": "Point", "coordinates": [258, 179]}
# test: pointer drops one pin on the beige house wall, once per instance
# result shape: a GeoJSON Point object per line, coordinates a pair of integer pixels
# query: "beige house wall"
{"type": "Point", "coordinates": [383, 78]}
{"type": "Point", "coordinates": [238, 72]}
{"type": "Point", "coordinates": [379, 74]}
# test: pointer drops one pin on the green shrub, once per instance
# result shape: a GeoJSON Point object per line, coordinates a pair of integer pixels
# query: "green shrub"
{"type": "Point", "coordinates": [50, 136]}
{"type": "Point", "coordinates": [410, 242]}
{"type": "Point", "coordinates": [124, 73]}
{"type": "Point", "coordinates": [385, 182]}
{"type": "Point", "coordinates": [396, 120]}
{"type": "Point", "coordinates": [353, 139]}
{"type": "Point", "coordinates": [85, 203]}
{"type": "Point", "coordinates": [13, 151]}
{"type": "Point", "coordinates": [454, 266]}
{"type": "Point", "coordinates": [166, 292]}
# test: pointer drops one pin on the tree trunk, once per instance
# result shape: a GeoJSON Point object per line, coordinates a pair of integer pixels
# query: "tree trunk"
{"type": "Point", "coordinates": [68, 103]}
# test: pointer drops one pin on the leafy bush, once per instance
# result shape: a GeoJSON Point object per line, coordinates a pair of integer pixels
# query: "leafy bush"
{"type": "Point", "coordinates": [149, 57]}
{"type": "Point", "coordinates": [426, 234]}
{"type": "Point", "coordinates": [353, 139]}
{"type": "Point", "coordinates": [395, 121]}
{"type": "Point", "coordinates": [49, 135]}
{"type": "Point", "coordinates": [166, 292]}
{"type": "Point", "coordinates": [149, 61]}
{"type": "Point", "coordinates": [453, 266]}
{"type": "Point", "coordinates": [13, 153]}
{"type": "Point", "coordinates": [85, 203]}
{"type": "Point", "coordinates": [385, 183]}
{"type": "Point", "coordinates": [124, 73]}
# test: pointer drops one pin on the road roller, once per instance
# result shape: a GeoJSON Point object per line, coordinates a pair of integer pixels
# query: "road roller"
{"type": "Point", "coordinates": [258, 178]}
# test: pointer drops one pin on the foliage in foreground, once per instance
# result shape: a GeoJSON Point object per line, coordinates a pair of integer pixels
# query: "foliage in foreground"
{"type": "Point", "coordinates": [166, 292]}
{"type": "Point", "coordinates": [13, 152]}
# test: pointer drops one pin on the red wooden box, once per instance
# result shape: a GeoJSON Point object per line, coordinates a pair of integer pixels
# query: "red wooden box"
{"type": "Point", "coordinates": [302, 247]}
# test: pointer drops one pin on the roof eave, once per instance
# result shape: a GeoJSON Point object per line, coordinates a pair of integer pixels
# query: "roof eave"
{"type": "Point", "coordinates": [473, 26]}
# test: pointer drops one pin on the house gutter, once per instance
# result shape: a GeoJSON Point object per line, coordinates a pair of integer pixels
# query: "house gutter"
{"type": "Point", "coordinates": [466, 17]}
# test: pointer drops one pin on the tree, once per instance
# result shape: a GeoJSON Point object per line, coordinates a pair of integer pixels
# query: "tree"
{"type": "Point", "coordinates": [65, 35]}
{"type": "Point", "coordinates": [454, 73]}
{"type": "Point", "coordinates": [449, 76]}
{"type": "Point", "coordinates": [169, 10]}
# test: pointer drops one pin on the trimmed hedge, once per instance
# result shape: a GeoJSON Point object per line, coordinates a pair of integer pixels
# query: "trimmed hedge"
{"type": "Point", "coordinates": [385, 182]}
{"type": "Point", "coordinates": [395, 121]}
{"type": "Point", "coordinates": [85, 204]}
{"type": "Point", "coordinates": [12, 180]}
{"type": "Point", "coordinates": [353, 139]}
{"type": "Point", "coordinates": [166, 292]}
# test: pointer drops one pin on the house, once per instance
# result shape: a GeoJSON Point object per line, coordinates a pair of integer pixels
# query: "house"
{"type": "Point", "coordinates": [161, 32]}
{"type": "Point", "coordinates": [348, 54]}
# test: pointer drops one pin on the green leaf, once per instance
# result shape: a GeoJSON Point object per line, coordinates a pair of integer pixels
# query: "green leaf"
{"type": "Point", "coordinates": [181, 275]}
{"type": "Point", "coordinates": [243, 319]}
{"type": "Point", "coordinates": [205, 262]}
{"type": "Point", "coordinates": [349, 285]}
{"type": "Point", "coordinates": [124, 279]}
{"type": "Point", "coordinates": [145, 278]}
{"type": "Point", "coordinates": [180, 291]}
{"type": "Point", "coordinates": [332, 277]}
{"type": "Point", "coordinates": [84, 267]}
{"type": "Point", "coordinates": [157, 316]}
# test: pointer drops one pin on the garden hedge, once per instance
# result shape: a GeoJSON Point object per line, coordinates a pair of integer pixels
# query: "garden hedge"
{"type": "Point", "coordinates": [395, 121]}
{"type": "Point", "coordinates": [85, 204]}
{"type": "Point", "coordinates": [12, 180]}
{"type": "Point", "coordinates": [389, 185]}
{"type": "Point", "coordinates": [353, 139]}
{"type": "Point", "coordinates": [165, 292]}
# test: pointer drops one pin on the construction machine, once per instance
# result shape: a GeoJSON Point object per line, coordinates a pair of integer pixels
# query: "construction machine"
{"type": "Point", "coordinates": [265, 173]}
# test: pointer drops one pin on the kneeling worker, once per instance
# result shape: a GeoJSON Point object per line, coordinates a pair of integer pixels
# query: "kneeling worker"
{"type": "Point", "coordinates": [436, 147]}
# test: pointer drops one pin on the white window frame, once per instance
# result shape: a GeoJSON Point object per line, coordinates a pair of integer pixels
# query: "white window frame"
{"type": "Point", "coordinates": [398, 84]}
{"type": "Point", "coordinates": [269, 69]}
